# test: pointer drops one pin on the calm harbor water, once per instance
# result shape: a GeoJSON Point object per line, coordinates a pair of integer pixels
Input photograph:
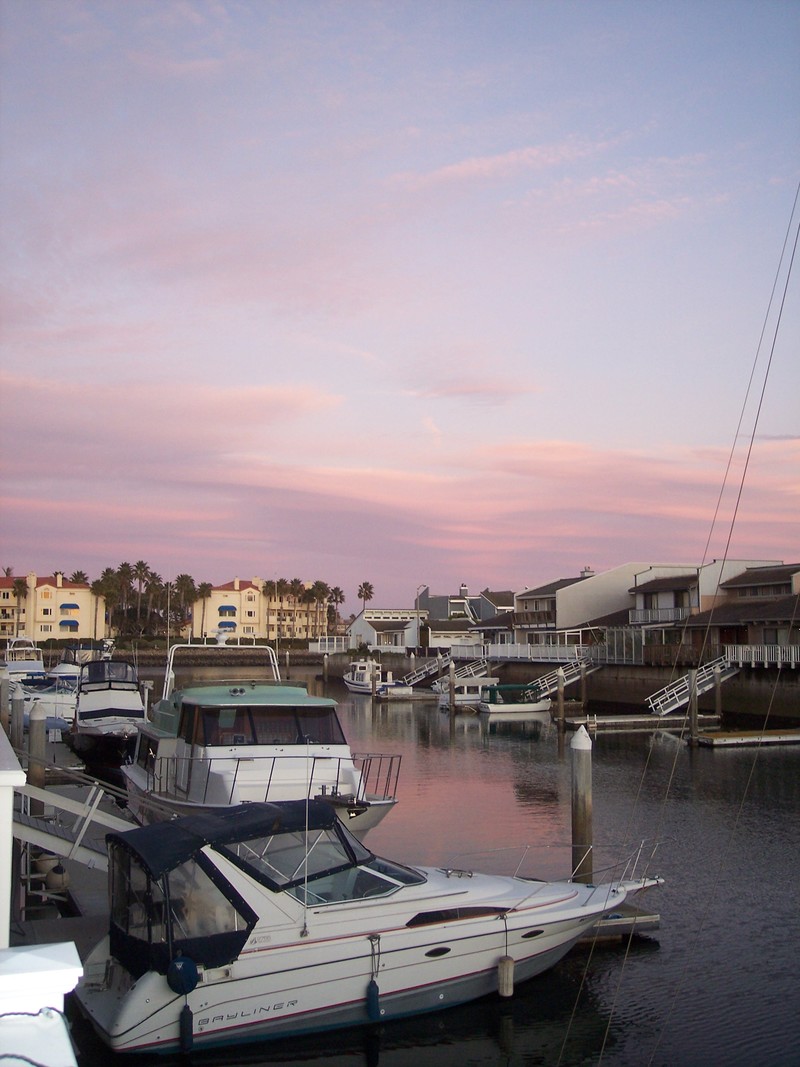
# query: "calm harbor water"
{"type": "Point", "coordinates": [716, 984]}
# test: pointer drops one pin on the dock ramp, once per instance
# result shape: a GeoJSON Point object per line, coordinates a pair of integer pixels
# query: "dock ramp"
{"type": "Point", "coordinates": [425, 670]}
{"type": "Point", "coordinates": [572, 671]}
{"type": "Point", "coordinates": [70, 828]}
{"type": "Point", "coordinates": [677, 693]}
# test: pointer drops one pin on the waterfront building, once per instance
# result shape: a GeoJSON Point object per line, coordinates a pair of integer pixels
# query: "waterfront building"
{"type": "Point", "coordinates": [260, 609]}
{"type": "Point", "coordinates": [51, 608]}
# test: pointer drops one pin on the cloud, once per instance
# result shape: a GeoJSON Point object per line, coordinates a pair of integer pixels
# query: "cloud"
{"type": "Point", "coordinates": [501, 166]}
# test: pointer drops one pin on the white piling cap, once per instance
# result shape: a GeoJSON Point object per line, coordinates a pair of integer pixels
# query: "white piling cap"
{"type": "Point", "coordinates": [581, 739]}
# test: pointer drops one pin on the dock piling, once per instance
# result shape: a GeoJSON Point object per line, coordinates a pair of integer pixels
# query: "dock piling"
{"type": "Point", "coordinates": [581, 746]}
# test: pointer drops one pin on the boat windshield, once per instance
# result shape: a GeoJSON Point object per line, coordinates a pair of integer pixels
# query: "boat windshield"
{"type": "Point", "coordinates": [260, 725]}
{"type": "Point", "coordinates": [319, 866]}
{"type": "Point", "coordinates": [108, 672]}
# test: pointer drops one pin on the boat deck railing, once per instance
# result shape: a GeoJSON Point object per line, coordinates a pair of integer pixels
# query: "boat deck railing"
{"type": "Point", "coordinates": [228, 779]}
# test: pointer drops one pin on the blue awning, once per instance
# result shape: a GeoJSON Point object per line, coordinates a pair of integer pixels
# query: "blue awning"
{"type": "Point", "coordinates": [68, 624]}
{"type": "Point", "coordinates": [227, 625]}
{"type": "Point", "coordinates": [69, 607]}
{"type": "Point", "coordinates": [226, 609]}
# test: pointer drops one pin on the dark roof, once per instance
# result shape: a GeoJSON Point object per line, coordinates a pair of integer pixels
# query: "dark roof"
{"type": "Point", "coordinates": [762, 576]}
{"type": "Point", "coordinates": [503, 596]}
{"type": "Point", "coordinates": [551, 588]}
{"type": "Point", "coordinates": [164, 845]}
{"type": "Point", "coordinates": [676, 581]}
{"type": "Point", "coordinates": [503, 621]}
{"type": "Point", "coordinates": [614, 618]}
{"type": "Point", "coordinates": [450, 625]}
{"type": "Point", "coordinates": [780, 610]}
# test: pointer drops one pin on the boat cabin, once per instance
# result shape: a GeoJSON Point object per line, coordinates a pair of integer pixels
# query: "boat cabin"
{"type": "Point", "coordinates": [172, 891]}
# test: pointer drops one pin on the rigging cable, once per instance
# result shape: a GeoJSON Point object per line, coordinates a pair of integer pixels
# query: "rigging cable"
{"type": "Point", "coordinates": [707, 630]}
{"type": "Point", "coordinates": [740, 808]}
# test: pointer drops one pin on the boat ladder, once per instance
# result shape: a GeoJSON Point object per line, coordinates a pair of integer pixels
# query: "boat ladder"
{"type": "Point", "coordinates": [571, 671]}
{"type": "Point", "coordinates": [677, 693]}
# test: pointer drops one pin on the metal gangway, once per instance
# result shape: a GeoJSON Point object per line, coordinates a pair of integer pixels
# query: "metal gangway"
{"type": "Point", "coordinates": [570, 672]}
{"type": "Point", "coordinates": [71, 828]}
{"type": "Point", "coordinates": [426, 669]}
{"type": "Point", "coordinates": [678, 693]}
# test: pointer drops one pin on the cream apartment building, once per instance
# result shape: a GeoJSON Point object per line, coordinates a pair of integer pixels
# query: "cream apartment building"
{"type": "Point", "coordinates": [52, 607]}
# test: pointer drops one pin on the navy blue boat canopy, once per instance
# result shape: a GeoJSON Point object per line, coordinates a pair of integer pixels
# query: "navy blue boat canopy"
{"type": "Point", "coordinates": [162, 846]}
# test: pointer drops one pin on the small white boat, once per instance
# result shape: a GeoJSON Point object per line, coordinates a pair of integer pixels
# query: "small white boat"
{"type": "Point", "coordinates": [74, 656]}
{"type": "Point", "coordinates": [359, 678]}
{"type": "Point", "coordinates": [271, 920]}
{"type": "Point", "coordinates": [108, 711]}
{"type": "Point", "coordinates": [514, 700]}
{"type": "Point", "coordinates": [467, 691]}
{"type": "Point", "coordinates": [23, 662]}
{"type": "Point", "coordinates": [57, 698]}
{"type": "Point", "coordinates": [218, 743]}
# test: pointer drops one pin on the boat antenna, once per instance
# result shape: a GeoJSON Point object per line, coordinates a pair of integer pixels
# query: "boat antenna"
{"type": "Point", "coordinates": [304, 931]}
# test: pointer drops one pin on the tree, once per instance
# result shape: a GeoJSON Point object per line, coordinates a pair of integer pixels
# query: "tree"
{"type": "Point", "coordinates": [111, 586]}
{"type": "Point", "coordinates": [20, 590]}
{"type": "Point", "coordinates": [335, 599]}
{"type": "Point", "coordinates": [203, 593]}
{"type": "Point", "coordinates": [154, 586]}
{"type": "Point", "coordinates": [97, 593]}
{"type": "Point", "coordinates": [186, 592]}
{"type": "Point", "coordinates": [141, 572]}
{"type": "Point", "coordinates": [79, 577]}
{"type": "Point", "coordinates": [125, 578]}
{"type": "Point", "coordinates": [365, 593]}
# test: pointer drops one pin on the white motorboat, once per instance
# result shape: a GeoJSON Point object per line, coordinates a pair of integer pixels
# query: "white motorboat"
{"type": "Point", "coordinates": [74, 656]}
{"type": "Point", "coordinates": [108, 711]}
{"type": "Point", "coordinates": [514, 700]}
{"type": "Point", "coordinates": [467, 691]}
{"type": "Point", "coordinates": [57, 698]}
{"type": "Point", "coordinates": [218, 743]}
{"type": "Point", "coordinates": [271, 920]}
{"type": "Point", "coordinates": [23, 662]}
{"type": "Point", "coordinates": [366, 676]}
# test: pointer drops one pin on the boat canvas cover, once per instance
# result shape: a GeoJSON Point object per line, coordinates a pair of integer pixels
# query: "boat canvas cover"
{"type": "Point", "coordinates": [163, 846]}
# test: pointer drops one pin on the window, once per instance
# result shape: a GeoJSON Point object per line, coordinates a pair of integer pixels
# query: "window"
{"type": "Point", "coordinates": [47, 611]}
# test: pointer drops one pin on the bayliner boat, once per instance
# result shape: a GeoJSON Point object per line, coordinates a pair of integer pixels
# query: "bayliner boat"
{"type": "Point", "coordinates": [269, 920]}
{"type": "Point", "coordinates": [219, 743]}
{"type": "Point", "coordinates": [108, 711]}
{"type": "Point", "coordinates": [514, 699]}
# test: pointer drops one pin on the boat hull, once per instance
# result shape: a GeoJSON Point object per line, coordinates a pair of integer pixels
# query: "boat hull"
{"type": "Point", "coordinates": [286, 992]}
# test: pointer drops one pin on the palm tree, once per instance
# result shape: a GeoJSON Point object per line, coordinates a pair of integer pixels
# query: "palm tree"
{"type": "Point", "coordinates": [79, 577]}
{"type": "Point", "coordinates": [365, 593]}
{"type": "Point", "coordinates": [97, 593]}
{"type": "Point", "coordinates": [125, 576]}
{"type": "Point", "coordinates": [335, 598]}
{"type": "Point", "coordinates": [186, 592]}
{"type": "Point", "coordinates": [154, 585]}
{"type": "Point", "coordinates": [20, 590]}
{"type": "Point", "coordinates": [320, 591]}
{"type": "Point", "coordinates": [203, 593]}
{"type": "Point", "coordinates": [141, 572]}
{"type": "Point", "coordinates": [112, 592]}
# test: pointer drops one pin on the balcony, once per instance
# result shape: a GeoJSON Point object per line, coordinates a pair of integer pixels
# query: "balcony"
{"type": "Point", "coordinates": [657, 616]}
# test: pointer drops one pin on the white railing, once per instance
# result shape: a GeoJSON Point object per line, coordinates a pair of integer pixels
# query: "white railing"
{"type": "Point", "coordinates": [331, 644]}
{"type": "Point", "coordinates": [643, 616]}
{"type": "Point", "coordinates": [763, 655]}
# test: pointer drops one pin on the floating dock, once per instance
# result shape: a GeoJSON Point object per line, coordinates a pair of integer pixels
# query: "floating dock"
{"type": "Point", "coordinates": [640, 724]}
{"type": "Point", "coordinates": [730, 738]}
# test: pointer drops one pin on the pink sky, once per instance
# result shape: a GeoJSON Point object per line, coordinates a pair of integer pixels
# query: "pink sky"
{"type": "Point", "coordinates": [399, 293]}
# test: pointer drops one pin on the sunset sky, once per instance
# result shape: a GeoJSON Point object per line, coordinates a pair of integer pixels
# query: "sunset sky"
{"type": "Point", "coordinates": [411, 292]}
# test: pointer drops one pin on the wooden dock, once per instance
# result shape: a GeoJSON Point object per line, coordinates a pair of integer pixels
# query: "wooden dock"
{"type": "Point", "coordinates": [639, 724]}
{"type": "Point", "coordinates": [729, 738]}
